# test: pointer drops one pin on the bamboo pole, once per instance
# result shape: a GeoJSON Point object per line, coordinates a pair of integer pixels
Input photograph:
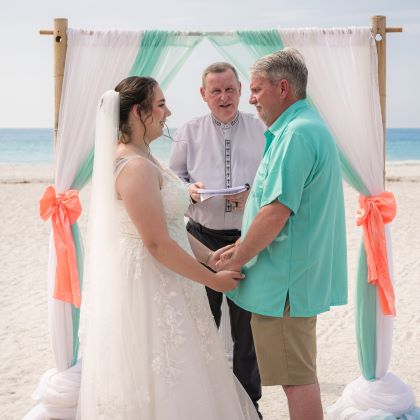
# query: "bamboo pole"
{"type": "Point", "coordinates": [378, 24]}
{"type": "Point", "coordinates": [393, 30]}
{"type": "Point", "coordinates": [60, 50]}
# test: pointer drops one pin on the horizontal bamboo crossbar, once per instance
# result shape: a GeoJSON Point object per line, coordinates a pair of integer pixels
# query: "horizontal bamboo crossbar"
{"type": "Point", "coordinates": [195, 33]}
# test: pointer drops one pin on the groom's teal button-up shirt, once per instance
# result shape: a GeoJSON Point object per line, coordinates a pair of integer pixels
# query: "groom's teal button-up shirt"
{"type": "Point", "coordinates": [308, 259]}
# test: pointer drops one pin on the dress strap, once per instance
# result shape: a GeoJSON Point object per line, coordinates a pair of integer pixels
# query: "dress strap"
{"type": "Point", "coordinates": [122, 161]}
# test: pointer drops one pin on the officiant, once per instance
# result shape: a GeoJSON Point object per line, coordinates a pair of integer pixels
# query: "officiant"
{"type": "Point", "coordinates": [222, 149]}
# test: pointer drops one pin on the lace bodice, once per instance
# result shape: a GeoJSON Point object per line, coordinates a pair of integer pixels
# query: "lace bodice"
{"type": "Point", "coordinates": [175, 203]}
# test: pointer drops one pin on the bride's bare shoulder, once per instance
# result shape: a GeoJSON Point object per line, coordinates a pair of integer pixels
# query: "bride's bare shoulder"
{"type": "Point", "coordinates": [136, 172]}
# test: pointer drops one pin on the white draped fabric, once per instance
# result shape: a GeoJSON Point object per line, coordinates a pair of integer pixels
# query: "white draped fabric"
{"type": "Point", "coordinates": [365, 400]}
{"type": "Point", "coordinates": [343, 85]}
{"type": "Point", "coordinates": [95, 62]}
{"type": "Point", "coordinates": [344, 88]}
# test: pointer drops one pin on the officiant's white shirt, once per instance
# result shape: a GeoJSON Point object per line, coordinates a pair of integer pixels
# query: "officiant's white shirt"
{"type": "Point", "coordinates": [219, 155]}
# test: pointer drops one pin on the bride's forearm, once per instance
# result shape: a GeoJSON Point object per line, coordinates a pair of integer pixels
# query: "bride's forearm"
{"type": "Point", "coordinates": [201, 252]}
{"type": "Point", "coordinates": [175, 258]}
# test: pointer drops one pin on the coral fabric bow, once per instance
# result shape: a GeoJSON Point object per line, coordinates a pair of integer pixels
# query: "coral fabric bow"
{"type": "Point", "coordinates": [64, 209]}
{"type": "Point", "coordinates": [374, 212]}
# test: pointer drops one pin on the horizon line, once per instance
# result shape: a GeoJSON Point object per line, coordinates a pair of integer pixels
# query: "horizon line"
{"type": "Point", "coordinates": [171, 128]}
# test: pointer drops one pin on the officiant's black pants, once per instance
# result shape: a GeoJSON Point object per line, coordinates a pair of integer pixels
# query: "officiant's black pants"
{"type": "Point", "coordinates": [245, 365]}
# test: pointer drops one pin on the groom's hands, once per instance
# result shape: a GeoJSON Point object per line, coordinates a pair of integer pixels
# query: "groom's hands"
{"type": "Point", "coordinates": [226, 260]}
{"type": "Point", "coordinates": [228, 253]}
{"type": "Point", "coordinates": [217, 255]}
{"type": "Point", "coordinates": [229, 264]}
{"type": "Point", "coordinates": [227, 278]}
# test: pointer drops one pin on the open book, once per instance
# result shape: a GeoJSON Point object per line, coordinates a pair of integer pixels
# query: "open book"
{"type": "Point", "coordinates": [208, 193]}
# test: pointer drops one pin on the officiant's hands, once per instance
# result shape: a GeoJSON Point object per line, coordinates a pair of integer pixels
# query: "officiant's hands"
{"type": "Point", "coordinates": [193, 191]}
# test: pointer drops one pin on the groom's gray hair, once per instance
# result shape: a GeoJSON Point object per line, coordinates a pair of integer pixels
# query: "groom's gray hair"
{"type": "Point", "coordinates": [286, 64]}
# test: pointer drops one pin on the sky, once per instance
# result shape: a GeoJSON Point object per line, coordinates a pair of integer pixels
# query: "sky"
{"type": "Point", "coordinates": [26, 66]}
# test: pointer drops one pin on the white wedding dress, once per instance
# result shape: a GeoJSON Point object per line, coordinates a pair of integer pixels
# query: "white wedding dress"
{"type": "Point", "coordinates": [160, 354]}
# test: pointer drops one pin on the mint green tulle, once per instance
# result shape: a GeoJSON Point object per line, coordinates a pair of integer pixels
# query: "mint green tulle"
{"type": "Point", "coordinates": [261, 43]}
{"type": "Point", "coordinates": [365, 319]}
{"type": "Point", "coordinates": [151, 49]}
{"type": "Point", "coordinates": [82, 177]}
{"type": "Point", "coordinates": [365, 292]}
{"type": "Point", "coordinates": [162, 54]}
{"type": "Point", "coordinates": [75, 312]}
{"type": "Point", "coordinates": [242, 48]}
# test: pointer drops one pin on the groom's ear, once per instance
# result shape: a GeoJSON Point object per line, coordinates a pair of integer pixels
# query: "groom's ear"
{"type": "Point", "coordinates": [284, 88]}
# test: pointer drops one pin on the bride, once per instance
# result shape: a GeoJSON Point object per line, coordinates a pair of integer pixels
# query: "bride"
{"type": "Point", "coordinates": [150, 346]}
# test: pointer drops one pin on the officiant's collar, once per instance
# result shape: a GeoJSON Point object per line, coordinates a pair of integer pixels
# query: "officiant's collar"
{"type": "Point", "coordinates": [227, 125]}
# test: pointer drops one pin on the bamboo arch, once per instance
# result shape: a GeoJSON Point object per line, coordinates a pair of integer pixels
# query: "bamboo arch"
{"type": "Point", "coordinates": [59, 33]}
{"type": "Point", "coordinates": [378, 27]}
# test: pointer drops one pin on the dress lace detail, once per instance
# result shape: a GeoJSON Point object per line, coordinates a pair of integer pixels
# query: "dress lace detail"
{"type": "Point", "coordinates": [173, 365]}
{"type": "Point", "coordinates": [170, 287]}
{"type": "Point", "coordinates": [116, 406]}
{"type": "Point", "coordinates": [171, 332]}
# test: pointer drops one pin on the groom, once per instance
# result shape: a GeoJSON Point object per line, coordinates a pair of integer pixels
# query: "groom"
{"type": "Point", "coordinates": [293, 244]}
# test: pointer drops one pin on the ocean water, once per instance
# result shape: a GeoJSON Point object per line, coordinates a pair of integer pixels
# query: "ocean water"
{"type": "Point", "coordinates": [35, 145]}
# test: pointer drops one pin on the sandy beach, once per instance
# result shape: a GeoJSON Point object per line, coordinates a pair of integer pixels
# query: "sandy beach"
{"type": "Point", "coordinates": [24, 342]}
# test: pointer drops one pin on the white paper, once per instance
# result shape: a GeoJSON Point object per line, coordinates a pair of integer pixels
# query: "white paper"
{"type": "Point", "coordinates": [208, 193]}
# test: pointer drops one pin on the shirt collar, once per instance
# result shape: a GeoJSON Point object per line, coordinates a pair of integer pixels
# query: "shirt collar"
{"type": "Point", "coordinates": [280, 124]}
{"type": "Point", "coordinates": [229, 124]}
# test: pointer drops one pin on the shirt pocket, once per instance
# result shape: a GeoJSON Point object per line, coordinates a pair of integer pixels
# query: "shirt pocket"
{"type": "Point", "coordinates": [259, 181]}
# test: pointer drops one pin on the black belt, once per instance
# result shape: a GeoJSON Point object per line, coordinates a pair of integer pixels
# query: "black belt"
{"type": "Point", "coordinates": [214, 232]}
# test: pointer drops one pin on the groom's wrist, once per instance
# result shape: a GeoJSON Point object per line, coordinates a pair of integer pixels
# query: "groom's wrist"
{"type": "Point", "coordinates": [238, 259]}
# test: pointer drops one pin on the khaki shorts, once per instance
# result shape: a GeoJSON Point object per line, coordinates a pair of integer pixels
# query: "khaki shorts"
{"type": "Point", "coordinates": [286, 348]}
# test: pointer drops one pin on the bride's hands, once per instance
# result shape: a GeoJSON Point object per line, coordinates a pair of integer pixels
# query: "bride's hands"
{"type": "Point", "coordinates": [226, 280]}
